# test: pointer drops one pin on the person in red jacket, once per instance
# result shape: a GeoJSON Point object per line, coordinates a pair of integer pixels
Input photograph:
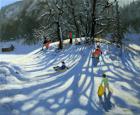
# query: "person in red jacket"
{"type": "Point", "coordinates": [46, 43]}
{"type": "Point", "coordinates": [97, 52]}
{"type": "Point", "coordinates": [70, 37]}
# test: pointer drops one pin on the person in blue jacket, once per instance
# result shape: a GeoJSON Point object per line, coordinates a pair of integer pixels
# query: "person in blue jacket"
{"type": "Point", "coordinates": [63, 67]}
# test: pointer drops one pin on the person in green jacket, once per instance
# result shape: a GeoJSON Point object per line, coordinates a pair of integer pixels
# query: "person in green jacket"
{"type": "Point", "coordinates": [105, 82]}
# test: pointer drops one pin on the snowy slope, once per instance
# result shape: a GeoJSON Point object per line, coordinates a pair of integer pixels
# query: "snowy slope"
{"type": "Point", "coordinates": [30, 86]}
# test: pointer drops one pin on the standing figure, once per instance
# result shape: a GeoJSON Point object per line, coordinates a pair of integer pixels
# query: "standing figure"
{"type": "Point", "coordinates": [70, 37]}
{"type": "Point", "coordinates": [105, 83]}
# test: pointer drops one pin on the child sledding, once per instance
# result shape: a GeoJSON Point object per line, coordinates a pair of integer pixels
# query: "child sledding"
{"type": "Point", "coordinates": [63, 67]}
{"type": "Point", "coordinates": [9, 49]}
{"type": "Point", "coordinates": [96, 54]}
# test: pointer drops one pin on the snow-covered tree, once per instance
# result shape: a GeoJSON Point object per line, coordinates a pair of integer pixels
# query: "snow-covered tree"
{"type": "Point", "coordinates": [53, 16]}
{"type": "Point", "coordinates": [100, 17]}
{"type": "Point", "coordinates": [82, 17]}
{"type": "Point", "coordinates": [117, 26]}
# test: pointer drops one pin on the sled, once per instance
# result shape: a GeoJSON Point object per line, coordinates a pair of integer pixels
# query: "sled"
{"type": "Point", "coordinates": [9, 49]}
{"type": "Point", "coordinates": [57, 68]}
{"type": "Point", "coordinates": [100, 90]}
{"type": "Point", "coordinates": [95, 57]}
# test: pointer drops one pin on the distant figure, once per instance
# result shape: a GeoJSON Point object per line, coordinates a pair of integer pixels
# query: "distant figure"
{"type": "Point", "coordinates": [70, 37]}
{"type": "Point", "coordinates": [46, 43]}
{"type": "Point", "coordinates": [63, 67]}
{"type": "Point", "coordinates": [105, 83]}
{"type": "Point", "coordinates": [77, 42]}
{"type": "Point", "coordinates": [11, 48]}
{"type": "Point", "coordinates": [97, 52]}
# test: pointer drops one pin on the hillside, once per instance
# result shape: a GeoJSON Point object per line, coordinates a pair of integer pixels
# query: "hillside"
{"type": "Point", "coordinates": [30, 86]}
{"type": "Point", "coordinates": [19, 19]}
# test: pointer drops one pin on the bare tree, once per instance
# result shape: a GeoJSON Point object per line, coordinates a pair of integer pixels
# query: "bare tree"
{"type": "Point", "coordinates": [93, 19]}
{"type": "Point", "coordinates": [100, 17]}
{"type": "Point", "coordinates": [118, 31]}
{"type": "Point", "coordinates": [72, 7]}
{"type": "Point", "coordinates": [84, 17]}
{"type": "Point", "coordinates": [54, 21]}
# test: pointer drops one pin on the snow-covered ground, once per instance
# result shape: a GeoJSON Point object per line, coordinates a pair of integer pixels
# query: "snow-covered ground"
{"type": "Point", "coordinates": [20, 48]}
{"type": "Point", "coordinates": [30, 86]}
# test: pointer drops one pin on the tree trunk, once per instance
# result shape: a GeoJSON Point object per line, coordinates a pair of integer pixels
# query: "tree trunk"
{"type": "Point", "coordinates": [75, 21]}
{"type": "Point", "coordinates": [118, 33]}
{"type": "Point", "coordinates": [59, 35]}
{"type": "Point", "coordinates": [93, 20]}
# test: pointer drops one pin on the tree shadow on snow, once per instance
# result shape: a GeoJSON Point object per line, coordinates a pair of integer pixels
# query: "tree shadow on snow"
{"type": "Point", "coordinates": [128, 73]}
{"type": "Point", "coordinates": [71, 92]}
{"type": "Point", "coordinates": [106, 102]}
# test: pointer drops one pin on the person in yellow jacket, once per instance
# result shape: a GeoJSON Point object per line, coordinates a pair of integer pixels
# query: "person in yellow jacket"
{"type": "Point", "coordinates": [105, 83]}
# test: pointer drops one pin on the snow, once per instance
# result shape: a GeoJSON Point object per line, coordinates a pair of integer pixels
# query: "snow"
{"type": "Point", "coordinates": [20, 48]}
{"type": "Point", "coordinates": [30, 86]}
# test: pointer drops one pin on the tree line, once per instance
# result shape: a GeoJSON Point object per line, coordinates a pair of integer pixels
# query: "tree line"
{"type": "Point", "coordinates": [88, 18]}
{"type": "Point", "coordinates": [56, 18]}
